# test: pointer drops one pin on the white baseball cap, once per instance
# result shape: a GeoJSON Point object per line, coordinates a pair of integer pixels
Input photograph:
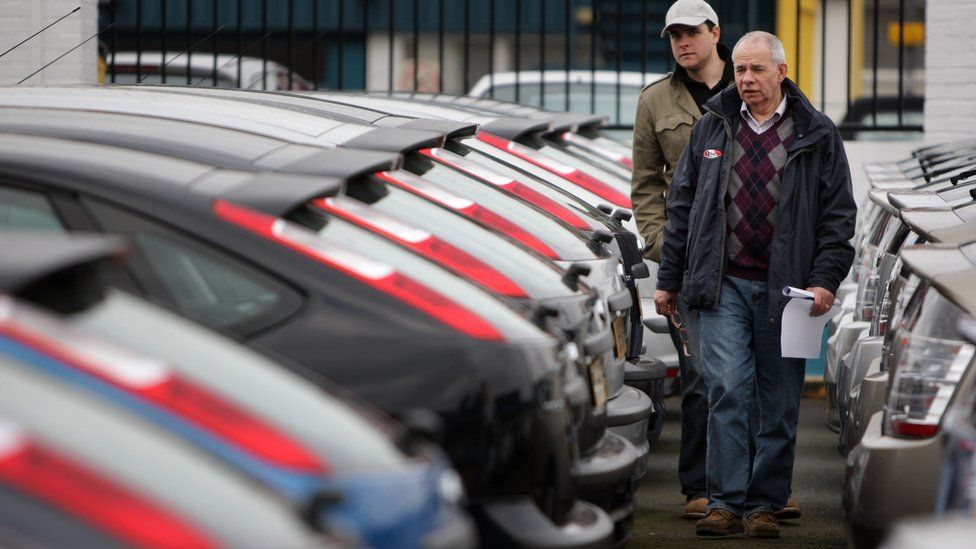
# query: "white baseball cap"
{"type": "Point", "coordinates": [690, 13]}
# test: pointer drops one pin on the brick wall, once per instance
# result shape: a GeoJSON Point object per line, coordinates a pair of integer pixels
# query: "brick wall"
{"type": "Point", "coordinates": [950, 65]}
{"type": "Point", "coordinates": [21, 18]}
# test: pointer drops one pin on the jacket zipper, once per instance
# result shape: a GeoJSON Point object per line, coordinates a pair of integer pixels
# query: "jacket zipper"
{"type": "Point", "coordinates": [724, 185]}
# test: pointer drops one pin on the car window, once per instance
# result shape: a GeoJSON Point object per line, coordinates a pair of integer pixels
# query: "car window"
{"type": "Point", "coordinates": [196, 280]}
{"type": "Point", "coordinates": [27, 210]}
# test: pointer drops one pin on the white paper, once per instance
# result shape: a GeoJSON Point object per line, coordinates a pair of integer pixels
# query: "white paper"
{"type": "Point", "coordinates": [802, 334]}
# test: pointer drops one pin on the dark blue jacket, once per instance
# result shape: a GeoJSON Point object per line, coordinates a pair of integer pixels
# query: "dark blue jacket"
{"type": "Point", "coordinates": [811, 242]}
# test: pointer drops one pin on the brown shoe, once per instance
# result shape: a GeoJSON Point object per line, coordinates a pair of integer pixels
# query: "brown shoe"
{"type": "Point", "coordinates": [790, 512]}
{"type": "Point", "coordinates": [718, 524]}
{"type": "Point", "coordinates": [762, 525]}
{"type": "Point", "coordinates": [696, 508]}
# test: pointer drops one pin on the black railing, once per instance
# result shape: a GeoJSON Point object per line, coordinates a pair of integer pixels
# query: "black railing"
{"type": "Point", "coordinates": [863, 67]}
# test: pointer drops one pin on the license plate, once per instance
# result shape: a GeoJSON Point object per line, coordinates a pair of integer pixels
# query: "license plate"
{"type": "Point", "coordinates": [598, 383]}
{"type": "Point", "coordinates": [619, 337]}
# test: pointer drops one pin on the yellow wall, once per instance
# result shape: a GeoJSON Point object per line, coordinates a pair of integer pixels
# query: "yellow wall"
{"type": "Point", "coordinates": [786, 13]}
{"type": "Point", "coordinates": [809, 54]}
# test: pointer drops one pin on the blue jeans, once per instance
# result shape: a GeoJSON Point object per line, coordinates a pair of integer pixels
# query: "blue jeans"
{"type": "Point", "coordinates": [745, 375]}
{"type": "Point", "coordinates": [694, 408]}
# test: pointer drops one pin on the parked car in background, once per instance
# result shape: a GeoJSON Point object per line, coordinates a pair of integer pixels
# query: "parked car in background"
{"type": "Point", "coordinates": [605, 93]}
{"type": "Point", "coordinates": [201, 69]}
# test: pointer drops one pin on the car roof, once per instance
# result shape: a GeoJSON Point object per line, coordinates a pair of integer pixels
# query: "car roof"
{"type": "Point", "coordinates": [509, 127]}
{"type": "Point", "coordinates": [348, 111]}
{"type": "Point", "coordinates": [266, 119]}
{"type": "Point", "coordinates": [965, 232]}
{"type": "Point", "coordinates": [213, 145]}
{"type": "Point", "coordinates": [136, 173]}
{"type": "Point", "coordinates": [958, 287]}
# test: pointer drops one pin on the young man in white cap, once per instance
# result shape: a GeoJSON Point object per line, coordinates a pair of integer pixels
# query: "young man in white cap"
{"type": "Point", "coordinates": [666, 111]}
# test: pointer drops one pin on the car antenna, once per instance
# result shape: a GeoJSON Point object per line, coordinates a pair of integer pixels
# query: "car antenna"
{"type": "Point", "coordinates": [236, 57]}
{"type": "Point", "coordinates": [58, 58]}
{"type": "Point", "coordinates": [55, 22]}
{"type": "Point", "coordinates": [175, 57]}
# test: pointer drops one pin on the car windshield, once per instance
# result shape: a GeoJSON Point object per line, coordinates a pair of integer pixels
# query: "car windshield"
{"type": "Point", "coordinates": [619, 182]}
{"type": "Point", "coordinates": [489, 155]}
{"type": "Point", "coordinates": [537, 276]}
{"type": "Point", "coordinates": [567, 244]}
{"type": "Point", "coordinates": [334, 230]}
{"type": "Point", "coordinates": [533, 176]}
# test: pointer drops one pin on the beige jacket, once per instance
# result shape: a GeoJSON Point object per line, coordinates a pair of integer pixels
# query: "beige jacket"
{"type": "Point", "coordinates": [665, 114]}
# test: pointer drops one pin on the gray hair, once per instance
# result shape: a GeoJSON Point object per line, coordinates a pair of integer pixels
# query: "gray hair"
{"type": "Point", "coordinates": [770, 40]}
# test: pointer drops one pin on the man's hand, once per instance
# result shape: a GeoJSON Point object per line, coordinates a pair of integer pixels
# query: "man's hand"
{"type": "Point", "coordinates": [666, 302]}
{"type": "Point", "coordinates": [822, 300]}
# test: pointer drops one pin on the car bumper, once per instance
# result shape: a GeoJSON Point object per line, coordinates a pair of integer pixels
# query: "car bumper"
{"type": "Point", "coordinates": [648, 375]}
{"type": "Point", "coordinates": [628, 415]}
{"type": "Point", "coordinates": [881, 472]}
{"type": "Point", "coordinates": [518, 522]}
{"type": "Point", "coordinates": [856, 365]}
{"type": "Point", "coordinates": [874, 390]}
{"type": "Point", "coordinates": [605, 478]}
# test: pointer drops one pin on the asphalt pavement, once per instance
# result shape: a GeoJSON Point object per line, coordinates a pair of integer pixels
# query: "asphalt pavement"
{"type": "Point", "coordinates": [817, 481]}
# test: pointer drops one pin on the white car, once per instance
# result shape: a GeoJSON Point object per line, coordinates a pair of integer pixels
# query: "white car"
{"type": "Point", "coordinates": [199, 68]}
{"type": "Point", "coordinates": [547, 89]}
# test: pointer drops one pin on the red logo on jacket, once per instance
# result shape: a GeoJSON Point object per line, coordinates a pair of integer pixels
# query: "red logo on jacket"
{"type": "Point", "coordinates": [712, 153]}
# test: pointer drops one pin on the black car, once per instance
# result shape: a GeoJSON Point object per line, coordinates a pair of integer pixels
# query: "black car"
{"type": "Point", "coordinates": [214, 245]}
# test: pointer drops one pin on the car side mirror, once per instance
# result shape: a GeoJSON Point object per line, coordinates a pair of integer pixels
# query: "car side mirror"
{"type": "Point", "coordinates": [573, 274]}
{"type": "Point", "coordinates": [622, 215]}
{"type": "Point", "coordinates": [640, 270]}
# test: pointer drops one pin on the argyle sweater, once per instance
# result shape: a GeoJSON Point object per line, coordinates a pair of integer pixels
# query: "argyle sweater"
{"type": "Point", "coordinates": [752, 199]}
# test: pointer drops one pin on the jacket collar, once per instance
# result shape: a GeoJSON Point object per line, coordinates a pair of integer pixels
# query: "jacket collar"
{"type": "Point", "coordinates": [681, 97]}
{"type": "Point", "coordinates": [679, 93]}
{"type": "Point", "coordinates": [809, 124]}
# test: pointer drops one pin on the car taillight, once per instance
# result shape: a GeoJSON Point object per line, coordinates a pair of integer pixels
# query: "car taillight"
{"type": "Point", "coordinates": [379, 276]}
{"type": "Point", "coordinates": [155, 382]}
{"type": "Point", "coordinates": [589, 145]}
{"type": "Point", "coordinates": [44, 474]}
{"type": "Point", "coordinates": [467, 208]}
{"type": "Point", "coordinates": [575, 175]}
{"type": "Point", "coordinates": [520, 190]}
{"type": "Point", "coordinates": [923, 384]}
{"type": "Point", "coordinates": [867, 288]}
{"type": "Point", "coordinates": [422, 243]}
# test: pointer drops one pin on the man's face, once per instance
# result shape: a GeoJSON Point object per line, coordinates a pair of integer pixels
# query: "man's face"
{"type": "Point", "coordinates": [693, 46]}
{"type": "Point", "coordinates": [757, 78]}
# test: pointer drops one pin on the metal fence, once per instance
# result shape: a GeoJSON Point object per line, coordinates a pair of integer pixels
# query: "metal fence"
{"type": "Point", "coordinates": [861, 61]}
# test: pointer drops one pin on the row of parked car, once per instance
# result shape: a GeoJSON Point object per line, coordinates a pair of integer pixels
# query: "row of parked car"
{"type": "Point", "coordinates": [266, 319]}
{"type": "Point", "coordinates": [900, 379]}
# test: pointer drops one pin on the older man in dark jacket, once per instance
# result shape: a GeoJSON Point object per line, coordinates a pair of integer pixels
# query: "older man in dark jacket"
{"type": "Point", "coordinates": [761, 199]}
